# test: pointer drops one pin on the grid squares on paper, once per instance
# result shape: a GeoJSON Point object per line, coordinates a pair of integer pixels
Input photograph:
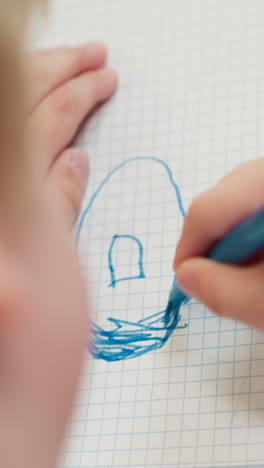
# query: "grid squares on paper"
{"type": "Point", "coordinates": [191, 93]}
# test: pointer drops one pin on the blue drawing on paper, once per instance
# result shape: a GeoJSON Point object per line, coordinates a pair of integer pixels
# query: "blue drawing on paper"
{"type": "Point", "coordinates": [127, 339]}
{"type": "Point", "coordinates": [111, 267]}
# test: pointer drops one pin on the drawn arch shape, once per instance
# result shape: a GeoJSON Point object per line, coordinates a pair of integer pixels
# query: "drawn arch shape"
{"type": "Point", "coordinates": [130, 339]}
{"type": "Point", "coordinates": [139, 263]}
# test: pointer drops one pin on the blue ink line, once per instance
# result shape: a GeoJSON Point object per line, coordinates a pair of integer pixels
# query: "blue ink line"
{"type": "Point", "coordinates": [110, 260]}
{"type": "Point", "coordinates": [123, 164]}
{"type": "Point", "coordinates": [128, 339]}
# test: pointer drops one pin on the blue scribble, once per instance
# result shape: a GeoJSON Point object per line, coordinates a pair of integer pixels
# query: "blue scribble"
{"type": "Point", "coordinates": [130, 339]}
{"type": "Point", "coordinates": [117, 168]}
{"type": "Point", "coordinates": [110, 260]}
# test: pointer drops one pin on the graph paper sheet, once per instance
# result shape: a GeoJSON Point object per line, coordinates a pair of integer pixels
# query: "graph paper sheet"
{"type": "Point", "coordinates": [191, 95]}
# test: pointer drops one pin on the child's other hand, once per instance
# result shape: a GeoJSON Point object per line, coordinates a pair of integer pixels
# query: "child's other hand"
{"type": "Point", "coordinates": [67, 84]}
{"type": "Point", "coordinates": [231, 291]}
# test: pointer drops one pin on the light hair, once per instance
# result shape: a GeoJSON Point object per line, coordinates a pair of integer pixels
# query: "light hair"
{"type": "Point", "coordinates": [14, 156]}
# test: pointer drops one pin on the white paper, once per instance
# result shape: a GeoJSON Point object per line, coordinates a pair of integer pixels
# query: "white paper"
{"type": "Point", "coordinates": [191, 94]}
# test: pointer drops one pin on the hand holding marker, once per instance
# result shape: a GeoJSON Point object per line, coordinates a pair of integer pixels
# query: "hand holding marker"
{"type": "Point", "coordinates": [246, 239]}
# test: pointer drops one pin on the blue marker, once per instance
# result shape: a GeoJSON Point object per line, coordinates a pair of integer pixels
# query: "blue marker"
{"type": "Point", "coordinates": [242, 242]}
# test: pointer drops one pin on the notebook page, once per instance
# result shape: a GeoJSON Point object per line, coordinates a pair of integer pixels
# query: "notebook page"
{"type": "Point", "coordinates": [188, 109]}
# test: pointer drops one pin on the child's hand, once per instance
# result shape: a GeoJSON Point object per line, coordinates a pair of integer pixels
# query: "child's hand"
{"type": "Point", "coordinates": [67, 84]}
{"type": "Point", "coordinates": [232, 291]}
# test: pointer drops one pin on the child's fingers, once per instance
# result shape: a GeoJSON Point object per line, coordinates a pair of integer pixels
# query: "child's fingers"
{"type": "Point", "coordinates": [52, 68]}
{"type": "Point", "coordinates": [69, 178]}
{"type": "Point", "coordinates": [229, 291]}
{"type": "Point", "coordinates": [58, 118]}
{"type": "Point", "coordinates": [216, 212]}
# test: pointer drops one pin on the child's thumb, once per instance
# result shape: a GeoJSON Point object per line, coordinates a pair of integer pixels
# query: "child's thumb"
{"type": "Point", "coordinates": [69, 175]}
{"type": "Point", "coordinates": [232, 291]}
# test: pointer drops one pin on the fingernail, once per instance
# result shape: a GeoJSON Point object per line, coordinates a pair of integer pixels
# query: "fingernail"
{"type": "Point", "coordinates": [80, 165]}
{"type": "Point", "coordinates": [95, 48]}
{"type": "Point", "coordinates": [185, 283]}
{"type": "Point", "coordinates": [109, 79]}
{"type": "Point", "coordinates": [178, 257]}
